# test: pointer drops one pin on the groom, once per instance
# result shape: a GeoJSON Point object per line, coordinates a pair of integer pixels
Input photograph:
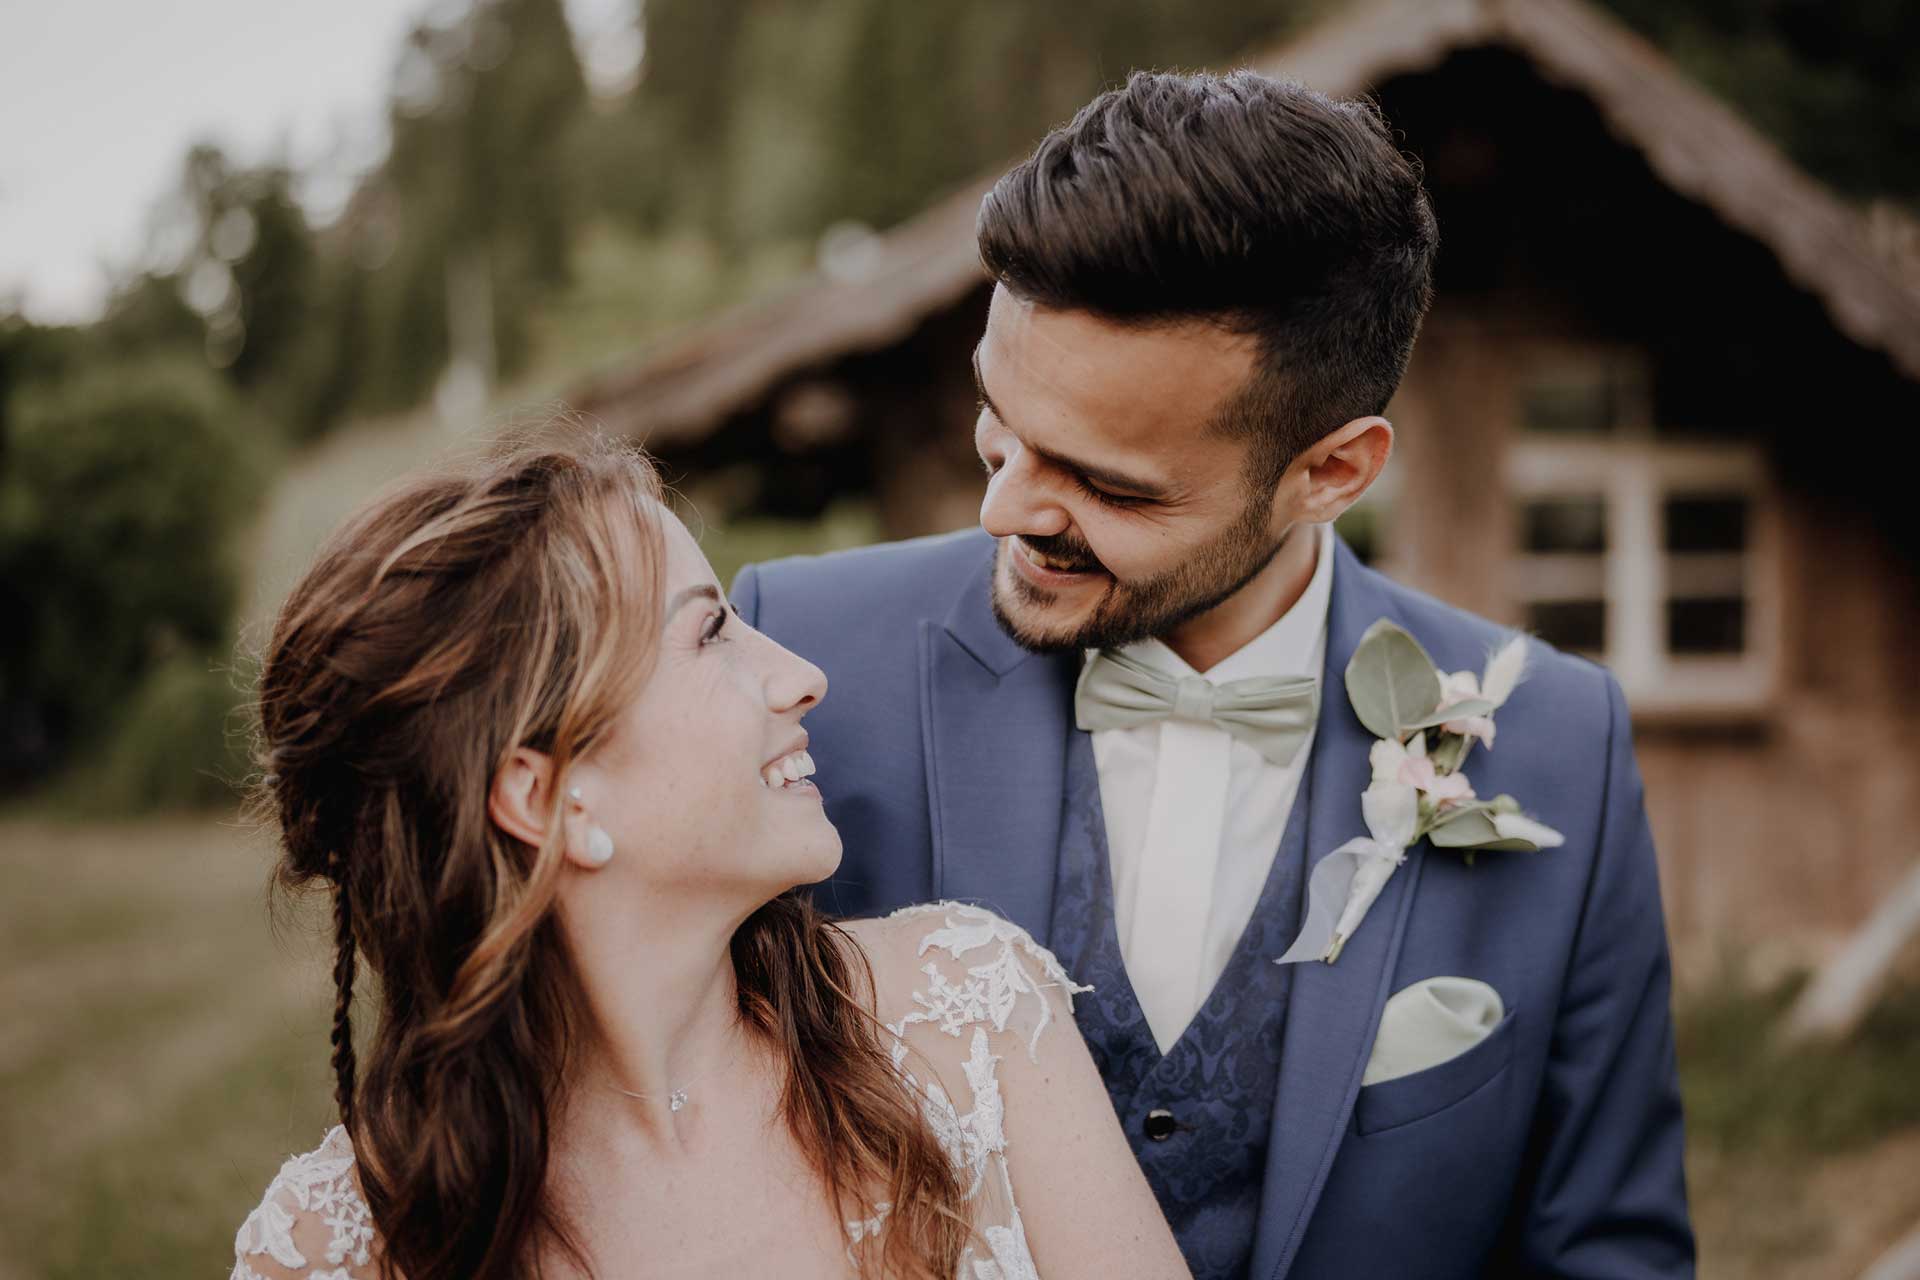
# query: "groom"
{"type": "Point", "coordinates": [1207, 291]}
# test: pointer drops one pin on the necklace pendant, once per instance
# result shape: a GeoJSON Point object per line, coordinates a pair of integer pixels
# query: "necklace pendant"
{"type": "Point", "coordinates": [676, 1100]}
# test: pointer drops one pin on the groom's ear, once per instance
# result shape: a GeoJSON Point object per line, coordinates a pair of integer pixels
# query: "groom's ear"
{"type": "Point", "coordinates": [1332, 473]}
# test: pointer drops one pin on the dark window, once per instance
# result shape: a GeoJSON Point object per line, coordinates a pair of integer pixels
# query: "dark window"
{"type": "Point", "coordinates": [1551, 525]}
{"type": "Point", "coordinates": [1714, 626]}
{"type": "Point", "coordinates": [1577, 625]}
{"type": "Point", "coordinates": [1706, 522]}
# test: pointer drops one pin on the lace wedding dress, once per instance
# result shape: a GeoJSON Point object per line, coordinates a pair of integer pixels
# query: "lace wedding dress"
{"type": "Point", "coordinates": [986, 989]}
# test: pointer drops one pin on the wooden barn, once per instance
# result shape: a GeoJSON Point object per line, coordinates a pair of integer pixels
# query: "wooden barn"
{"type": "Point", "coordinates": [1654, 417]}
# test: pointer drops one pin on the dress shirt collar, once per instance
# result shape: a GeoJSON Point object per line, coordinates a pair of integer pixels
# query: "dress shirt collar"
{"type": "Point", "coordinates": [1293, 645]}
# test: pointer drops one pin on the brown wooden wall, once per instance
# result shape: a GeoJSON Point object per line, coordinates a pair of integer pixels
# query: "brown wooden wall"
{"type": "Point", "coordinates": [1786, 835]}
{"type": "Point", "coordinates": [1777, 832]}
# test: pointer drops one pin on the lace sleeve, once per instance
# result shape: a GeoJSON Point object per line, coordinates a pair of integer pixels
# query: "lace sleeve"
{"type": "Point", "coordinates": [311, 1224]}
{"type": "Point", "coordinates": [985, 989]}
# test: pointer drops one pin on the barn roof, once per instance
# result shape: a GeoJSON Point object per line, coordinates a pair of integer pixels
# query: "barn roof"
{"type": "Point", "coordinates": [1695, 143]}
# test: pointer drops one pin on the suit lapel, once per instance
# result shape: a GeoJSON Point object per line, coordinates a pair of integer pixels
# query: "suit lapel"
{"type": "Point", "coordinates": [994, 721]}
{"type": "Point", "coordinates": [1333, 1009]}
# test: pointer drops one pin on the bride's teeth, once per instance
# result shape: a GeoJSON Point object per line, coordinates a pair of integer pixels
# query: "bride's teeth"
{"type": "Point", "coordinates": [787, 770]}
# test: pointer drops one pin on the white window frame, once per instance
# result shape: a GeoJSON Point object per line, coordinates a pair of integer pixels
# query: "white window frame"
{"type": "Point", "coordinates": [1633, 473]}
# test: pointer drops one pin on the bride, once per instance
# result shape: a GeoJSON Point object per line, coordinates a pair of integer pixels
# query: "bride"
{"type": "Point", "coordinates": [559, 795]}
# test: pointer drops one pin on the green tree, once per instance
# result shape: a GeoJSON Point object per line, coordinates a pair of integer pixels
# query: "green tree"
{"type": "Point", "coordinates": [248, 269]}
{"type": "Point", "coordinates": [120, 503]}
{"type": "Point", "coordinates": [478, 182]}
{"type": "Point", "coordinates": [1833, 81]}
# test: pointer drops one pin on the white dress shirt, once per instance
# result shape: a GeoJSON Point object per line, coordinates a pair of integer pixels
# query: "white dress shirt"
{"type": "Point", "coordinates": [1194, 817]}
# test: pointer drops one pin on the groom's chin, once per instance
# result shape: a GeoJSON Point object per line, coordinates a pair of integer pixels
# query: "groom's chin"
{"type": "Point", "coordinates": [1027, 624]}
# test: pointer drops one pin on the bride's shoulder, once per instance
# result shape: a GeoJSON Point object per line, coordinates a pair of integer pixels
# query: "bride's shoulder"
{"type": "Point", "coordinates": [946, 967]}
{"type": "Point", "coordinates": [312, 1222]}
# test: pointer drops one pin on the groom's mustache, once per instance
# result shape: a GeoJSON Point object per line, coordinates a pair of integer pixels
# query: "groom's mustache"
{"type": "Point", "coordinates": [1066, 550]}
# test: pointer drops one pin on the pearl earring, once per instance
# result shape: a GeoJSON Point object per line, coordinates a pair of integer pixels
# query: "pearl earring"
{"type": "Point", "coordinates": [599, 843]}
{"type": "Point", "coordinates": [599, 847]}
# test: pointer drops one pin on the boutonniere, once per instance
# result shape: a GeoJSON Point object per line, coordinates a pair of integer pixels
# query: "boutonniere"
{"type": "Point", "coordinates": [1426, 721]}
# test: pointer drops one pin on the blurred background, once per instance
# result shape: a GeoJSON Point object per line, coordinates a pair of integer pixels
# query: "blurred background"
{"type": "Point", "coordinates": [254, 260]}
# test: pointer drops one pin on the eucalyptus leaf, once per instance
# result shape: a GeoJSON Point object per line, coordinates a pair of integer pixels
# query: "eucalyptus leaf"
{"type": "Point", "coordinates": [1391, 682]}
{"type": "Point", "coordinates": [1458, 711]}
{"type": "Point", "coordinates": [1465, 827]}
{"type": "Point", "coordinates": [1473, 829]}
{"type": "Point", "coordinates": [1510, 845]}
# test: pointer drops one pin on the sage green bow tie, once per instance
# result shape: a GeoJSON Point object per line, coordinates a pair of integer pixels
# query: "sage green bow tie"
{"type": "Point", "coordinates": [1271, 714]}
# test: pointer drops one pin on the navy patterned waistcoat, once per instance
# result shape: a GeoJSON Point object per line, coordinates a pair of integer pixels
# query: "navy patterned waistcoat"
{"type": "Point", "coordinates": [1219, 1080]}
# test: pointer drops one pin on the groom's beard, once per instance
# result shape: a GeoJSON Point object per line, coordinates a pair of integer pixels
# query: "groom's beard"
{"type": "Point", "coordinates": [1128, 612]}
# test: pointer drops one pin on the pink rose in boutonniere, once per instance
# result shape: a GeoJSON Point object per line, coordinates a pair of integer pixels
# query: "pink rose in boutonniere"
{"type": "Point", "coordinates": [1426, 721]}
{"type": "Point", "coordinates": [1407, 762]}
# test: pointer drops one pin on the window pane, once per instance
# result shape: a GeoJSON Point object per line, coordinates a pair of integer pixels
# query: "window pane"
{"type": "Point", "coordinates": [1581, 404]}
{"type": "Point", "coordinates": [1706, 522]}
{"type": "Point", "coordinates": [1564, 524]}
{"type": "Point", "coordinates": [1706, 626]}
{"type": "Point", "coordinates": [1578, 625]}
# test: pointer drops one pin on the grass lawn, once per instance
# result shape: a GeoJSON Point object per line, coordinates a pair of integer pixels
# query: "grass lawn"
{"type": "Point", "coordinates": [162, 1050]}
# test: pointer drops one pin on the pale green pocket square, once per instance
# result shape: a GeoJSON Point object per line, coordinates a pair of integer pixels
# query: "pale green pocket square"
{"type": "Point", "coordinates": [1431, 1022]}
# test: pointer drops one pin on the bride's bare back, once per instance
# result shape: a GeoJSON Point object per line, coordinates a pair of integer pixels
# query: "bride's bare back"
{"type": "Point", "coordinates": [979, 1021]}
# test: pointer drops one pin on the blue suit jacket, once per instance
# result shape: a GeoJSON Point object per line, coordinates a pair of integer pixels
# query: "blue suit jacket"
{"type": "Point", "coordinates": [1553, 1147]}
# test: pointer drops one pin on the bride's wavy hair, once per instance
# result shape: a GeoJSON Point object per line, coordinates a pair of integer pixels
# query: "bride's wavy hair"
{"type": "Point", "coordinates": [506, 602]}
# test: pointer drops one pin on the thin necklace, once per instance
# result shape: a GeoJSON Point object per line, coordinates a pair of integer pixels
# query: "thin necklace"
{"type": "Point", "coordinates": [676, 1097]}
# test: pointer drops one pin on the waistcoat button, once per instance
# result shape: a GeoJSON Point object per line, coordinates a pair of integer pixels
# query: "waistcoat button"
{"type": "Point", "coordinates": [1159, 1124]}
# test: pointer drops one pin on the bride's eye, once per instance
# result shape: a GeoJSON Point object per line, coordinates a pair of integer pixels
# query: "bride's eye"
{"type": "Point", "coordinates": [716, 623]}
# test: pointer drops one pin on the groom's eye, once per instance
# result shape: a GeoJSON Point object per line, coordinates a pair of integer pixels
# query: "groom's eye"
{"type": "Point", "coordinates": [1101, 496]}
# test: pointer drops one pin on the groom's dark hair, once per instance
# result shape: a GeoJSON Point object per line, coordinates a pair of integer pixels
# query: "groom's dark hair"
{"type": "Point", "coordinates": [1244, 201]}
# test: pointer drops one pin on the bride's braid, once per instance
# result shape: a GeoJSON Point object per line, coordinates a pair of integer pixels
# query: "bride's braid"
{"type": "Point", "coordinates": [345, 950]}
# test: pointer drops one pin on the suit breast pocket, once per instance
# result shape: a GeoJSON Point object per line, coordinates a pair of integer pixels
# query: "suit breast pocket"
{"type": "Point", "coordinates": [1393, 1103]}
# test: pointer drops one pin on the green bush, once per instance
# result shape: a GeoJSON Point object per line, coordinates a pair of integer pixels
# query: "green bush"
{"type": "Point", "coordinates": [122, 491]}
{"type": "Point", "coordinates": [179, 744]}
{"type": "Point", "coordinates": [1744, 1093]}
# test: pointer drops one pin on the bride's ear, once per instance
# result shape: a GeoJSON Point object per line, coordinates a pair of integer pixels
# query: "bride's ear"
{"type": "Point", "coordinates": [521, 803]}
{"type": "Point", "coordinates": [521, 799]}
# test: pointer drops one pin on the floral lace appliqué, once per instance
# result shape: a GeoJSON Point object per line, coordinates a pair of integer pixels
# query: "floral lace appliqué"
{"type": "Point", "coordinates": [1005, 967]}
{"type": "Point", "coordinates": [318, 1184]}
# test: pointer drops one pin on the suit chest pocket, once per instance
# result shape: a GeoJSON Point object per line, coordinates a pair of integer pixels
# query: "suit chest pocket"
{"type": "Point", "coordinates": [1393, 1103]}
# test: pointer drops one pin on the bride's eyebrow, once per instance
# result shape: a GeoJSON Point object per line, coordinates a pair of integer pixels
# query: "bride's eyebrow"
{"type": "Point", "coordinates": [700, 591]}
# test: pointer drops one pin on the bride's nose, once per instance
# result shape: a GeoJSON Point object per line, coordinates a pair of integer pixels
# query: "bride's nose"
{"type": "Point", "coordinates": [793, 683]}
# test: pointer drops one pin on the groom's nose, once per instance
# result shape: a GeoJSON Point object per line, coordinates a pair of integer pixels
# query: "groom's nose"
{"type": "Point", "coordinates": [1018, 502]}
